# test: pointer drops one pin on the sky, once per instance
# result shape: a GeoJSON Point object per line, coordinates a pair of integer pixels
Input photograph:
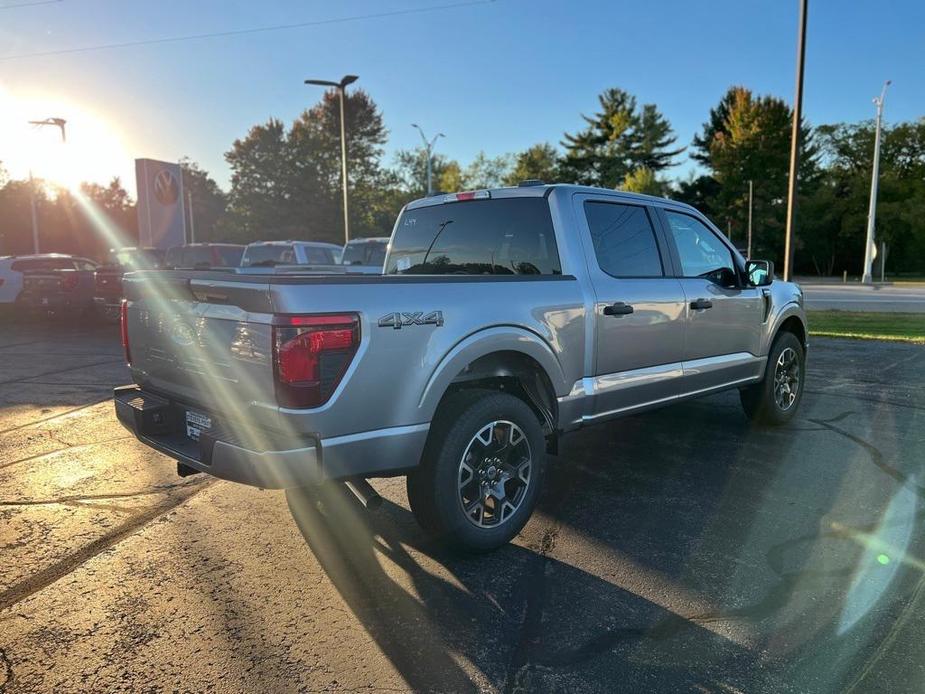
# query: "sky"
{"type": "Point", "coordinates": [493, 75]}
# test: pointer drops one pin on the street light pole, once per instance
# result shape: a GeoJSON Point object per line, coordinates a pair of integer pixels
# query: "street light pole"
{"type": "Point", "coordinates": [875, 175]}
{"type": "Point", "coordinates": [795, 145]}
{"type": "Point", "coordinates": [429, 149]}
{"type": "Point", "coordinates": [58, 123]}
{"type": "Point", "coordinates": [341, 87]}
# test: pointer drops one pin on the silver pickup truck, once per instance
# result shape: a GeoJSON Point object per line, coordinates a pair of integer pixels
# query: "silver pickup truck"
{"type": "Point", "coordinates": [504, 318]}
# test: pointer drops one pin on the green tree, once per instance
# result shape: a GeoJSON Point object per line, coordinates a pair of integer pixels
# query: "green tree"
{"type": "Point", "coordinates": [411, 171]}
{"type": "Point", "coordinates": [287, 183]}
{"type": "Point", "coordinates": [835, 215]}
{"type": "Point", "coordinates": [209, 202]}
{"type": "Point", "coordinates": [487, 172]}
{"type": "Point", "coordinates": [748, 138]}
{"type": "Point", "coordinates": [618, 139]}
{"type": "Point", "coordinates": [643, 180]}
{"type": "Point", "coordinates": [540, 162]}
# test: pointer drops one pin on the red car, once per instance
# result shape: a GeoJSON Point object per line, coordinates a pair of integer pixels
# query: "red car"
{"type": "Point", "coordinates": [107, 295]}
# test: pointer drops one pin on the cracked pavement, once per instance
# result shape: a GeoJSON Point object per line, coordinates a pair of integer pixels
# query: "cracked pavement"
{"type": "Point", "coordinates": [678, 550]}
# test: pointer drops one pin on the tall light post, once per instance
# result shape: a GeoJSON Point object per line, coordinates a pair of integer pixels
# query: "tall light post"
{"type": "Point", "coordinates": [340, 87]}
{"type": "Point", "coordinates": [58, 123]}
{"type": "Point", "coordinates": [875, 175]}
{"type": "Point", "coordinates": [429, 148]}
{"type": "Point", "coordinates": [795, 145]}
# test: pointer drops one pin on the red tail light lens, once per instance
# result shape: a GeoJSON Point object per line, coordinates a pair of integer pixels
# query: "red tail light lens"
{"type": "Point", "coordinates": [69, 282]}
{"type": "Point", "coordinates": [123, 322]}
{"type": "Point", "coordinates": [311, 355]}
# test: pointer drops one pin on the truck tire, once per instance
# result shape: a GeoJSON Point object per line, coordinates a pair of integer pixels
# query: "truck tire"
{"type": "Point", "coordinates": [481, 471]}
{"type": "Point", "coordinates": [775, 399]}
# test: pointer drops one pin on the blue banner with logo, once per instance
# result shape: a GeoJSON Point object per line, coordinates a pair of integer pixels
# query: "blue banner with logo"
{"type": "Point", "coordinates": [161, 210]}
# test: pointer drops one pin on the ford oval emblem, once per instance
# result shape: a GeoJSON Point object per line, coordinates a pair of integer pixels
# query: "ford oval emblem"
{"type": "Point", "coordinates": [182, 334]}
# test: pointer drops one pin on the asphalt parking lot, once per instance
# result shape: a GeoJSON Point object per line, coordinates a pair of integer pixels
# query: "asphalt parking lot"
{"type": "Point", "coordinates": [678, 550]}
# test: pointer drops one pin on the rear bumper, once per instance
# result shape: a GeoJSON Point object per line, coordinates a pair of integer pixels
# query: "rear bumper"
{"type": "Point", "coordinates": [156, 421]}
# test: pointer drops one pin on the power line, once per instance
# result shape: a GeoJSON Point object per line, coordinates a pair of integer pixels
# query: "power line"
{"type": "Point", "coordinates": [30, 4]}
{"type": "Point", "coordinates": [241, 32]}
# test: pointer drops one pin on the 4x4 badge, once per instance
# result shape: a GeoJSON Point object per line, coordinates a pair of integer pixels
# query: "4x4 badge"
{"type": "Point", "coordinates": [400, 320]}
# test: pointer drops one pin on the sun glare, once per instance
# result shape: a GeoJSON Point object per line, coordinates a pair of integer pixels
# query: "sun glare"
{"type": "Point", "coordinates": [92, 152]}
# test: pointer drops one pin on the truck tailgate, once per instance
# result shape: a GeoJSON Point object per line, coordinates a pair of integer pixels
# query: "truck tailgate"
{"type": "Point", "coordinates": [204, 342]}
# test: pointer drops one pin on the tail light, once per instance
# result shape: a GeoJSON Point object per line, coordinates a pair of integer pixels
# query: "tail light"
{"type": "Point", "coordinates": [69, 282]}
{"type": "Point", "coordinates": [467, 195]}
{"type": "Point", "coordinates": [123, 322]}
{"type": "Point", "coordinates": [311, 355]}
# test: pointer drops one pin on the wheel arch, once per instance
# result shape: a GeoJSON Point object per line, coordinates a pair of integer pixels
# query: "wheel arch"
{"type": "Point", "coordinates": [792, 322]}
{"type": "Point", "coordinates": [512, 360]}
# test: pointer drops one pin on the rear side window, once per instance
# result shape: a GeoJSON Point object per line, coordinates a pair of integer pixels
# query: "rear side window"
{"type": "Point", "coordinates": [269, 255]}
{"type": "Point", "coordinates": [506, 236]}
{"type": "Point", "coordinates": [364, 253]}
{"type": "Point", "coordinates": [319, 256]}
{"type": "Point", "coordinates": [197, 257]}
{"type": "Point", "coordinates": [624, 240]}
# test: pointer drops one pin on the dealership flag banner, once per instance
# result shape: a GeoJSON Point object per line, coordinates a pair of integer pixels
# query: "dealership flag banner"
{"type": "Point", "coordinates": [161, 216]}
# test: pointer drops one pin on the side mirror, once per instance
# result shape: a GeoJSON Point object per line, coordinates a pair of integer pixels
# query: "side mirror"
{"type": "Point", "coordinates": [760, 273]}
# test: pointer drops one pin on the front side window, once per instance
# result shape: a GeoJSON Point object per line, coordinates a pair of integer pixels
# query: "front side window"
{"type": "Point", "coordinates": [701, 252]}
{"type": "Point", "coordinates": [505, 236]}
{"type": "Point", "coordinates": [230, 256]}
{"type": "Point", "coordinates": [624, 240]}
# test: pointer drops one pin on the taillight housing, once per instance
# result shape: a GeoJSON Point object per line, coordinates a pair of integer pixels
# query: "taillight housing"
{"type": "Point", "coordinates": [311, 354]}
{"type": "Point", "coordinates": [123, 323]}
{"type": "Point", "coordinates": [69, 282]}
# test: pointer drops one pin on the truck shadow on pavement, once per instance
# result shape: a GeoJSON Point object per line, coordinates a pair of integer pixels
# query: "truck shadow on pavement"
{"type": "Point", "coordinates": [705, 562]}
{"type": "Point", "coordinates": [525, 619]}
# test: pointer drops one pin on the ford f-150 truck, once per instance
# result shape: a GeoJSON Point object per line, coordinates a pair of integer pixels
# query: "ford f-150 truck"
{"type": "Point", "coordinates": [503, 319]}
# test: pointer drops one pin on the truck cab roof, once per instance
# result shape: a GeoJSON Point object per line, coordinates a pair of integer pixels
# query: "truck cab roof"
{"type": "Point", "coordinates": [539, 190]}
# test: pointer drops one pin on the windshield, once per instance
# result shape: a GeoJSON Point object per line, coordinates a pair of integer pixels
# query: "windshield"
{"type": "Point", "coordinates": [512, 236]}
{"type": "Point", "coordinates": [268, 254]}
{"type": "Point", "coordinates": [365, 253]}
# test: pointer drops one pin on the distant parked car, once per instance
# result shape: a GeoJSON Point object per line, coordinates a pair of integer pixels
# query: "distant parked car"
{"type": "Point", "coordinates": [13, 267]}
{"type": "Point", "coordinates": [204, 256]}
{"type": "Point", "coordinates": [366, 253]}
{"type": "Point", "coordinates": [65, 285]}
{"type": "Point", "coordinates": [107, 295]}
{"type": "Point", "coordinates": [272, 253]}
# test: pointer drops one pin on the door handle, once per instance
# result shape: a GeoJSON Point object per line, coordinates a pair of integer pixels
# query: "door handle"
{"type": "Point", "coordinates": [618, 309]}
{"type": "Point", "coordinates": [701, 304]}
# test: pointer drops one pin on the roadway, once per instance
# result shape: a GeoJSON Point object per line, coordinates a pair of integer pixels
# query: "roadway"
{"type": "Point", "coordinates": [679, 550]}
{"type": "Point", "coordinates": [855, 297]}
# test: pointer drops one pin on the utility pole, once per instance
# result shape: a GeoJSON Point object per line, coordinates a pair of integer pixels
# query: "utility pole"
{"type": "Point", "coordinates": [429, 149]}
{"type": "Point", "coordinates": [192, 220]}
{"type": "Point", "coordinates": [58, 123]}
{"type": "Point", "coordinates": [875, 175]}
{"type": "Point", "coordinates": [750, 204]}
{"type": "Point", "coordinates": [795, 145]}
{"type": "Point", "coordinates": [341, 87]}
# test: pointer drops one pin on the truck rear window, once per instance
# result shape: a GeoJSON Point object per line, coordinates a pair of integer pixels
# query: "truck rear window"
{"type": "Point", "coordinates": [506, 236]}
